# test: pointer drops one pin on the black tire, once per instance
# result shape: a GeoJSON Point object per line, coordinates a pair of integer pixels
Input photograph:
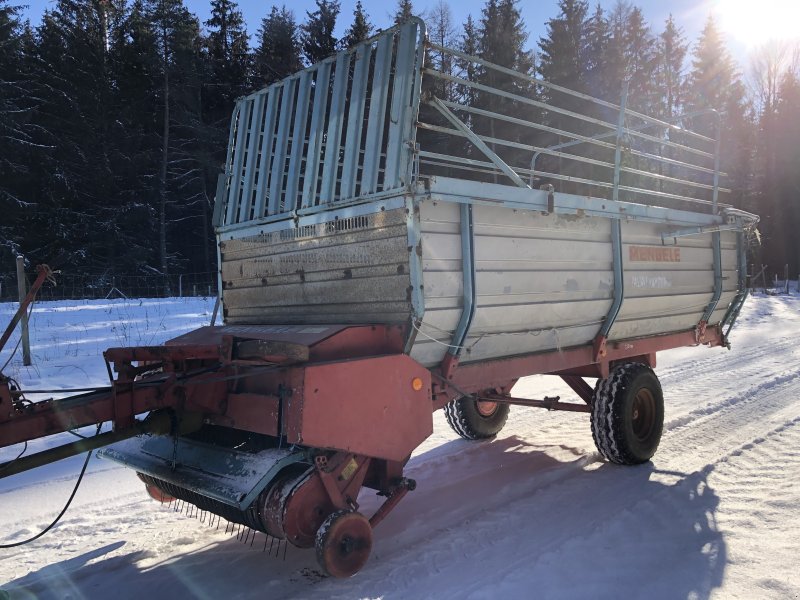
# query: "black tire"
{"type": "Point", "coordinates": [474, 422]}
{"type": "Point", "coordinates": [628, 414]}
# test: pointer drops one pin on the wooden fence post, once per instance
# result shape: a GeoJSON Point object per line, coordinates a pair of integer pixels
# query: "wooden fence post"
{"type": "Point", "coordinates": [22, 286]}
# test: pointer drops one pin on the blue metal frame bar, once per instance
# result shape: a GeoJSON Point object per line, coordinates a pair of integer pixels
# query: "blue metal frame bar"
{"type": "Point", "coordinates": [415, 270]}
{"type": "Point", "coordinates": [552, 86]}
{"type": "Point", "coordinates": [619, 280]}
{"type": "Point", "coordinates": [716, 244]}
{"type": "Point", "coordinates": [475, 139]}
{"type": "Point", "coordinates": [469, 293]}
{"type": "Point", "coordinates": [674, 235]}
{"type": "Point", "coordinates": [618, 144]}
{"type": "Point", "coordinates": [459, 190]}
{"type": "Point", "coordinates": [736, 306]}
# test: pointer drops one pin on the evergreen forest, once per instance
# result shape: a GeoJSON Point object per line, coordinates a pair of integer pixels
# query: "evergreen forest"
{"type": "Point", "coordinates": [115, 114]}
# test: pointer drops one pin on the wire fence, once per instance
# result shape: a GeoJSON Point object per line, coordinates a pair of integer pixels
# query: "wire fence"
{"type": "Point", "coordinates": [88, 287]}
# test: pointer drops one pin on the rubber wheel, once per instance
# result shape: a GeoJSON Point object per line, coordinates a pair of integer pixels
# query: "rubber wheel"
{"type": "Point", "coordinates": [343, 543]}
{"type": "Point", "coordinates": [628, 414]}
{"type": "Point", "coordinates": [474, 420]}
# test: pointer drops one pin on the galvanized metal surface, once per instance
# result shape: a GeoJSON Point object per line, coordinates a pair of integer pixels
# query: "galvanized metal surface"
{"type": "Point", "coordinates": [344, 232]}
{"type": "Point", "coordinates": [338, 130]}
{"type": "Point", "coordinates": [352, 270]}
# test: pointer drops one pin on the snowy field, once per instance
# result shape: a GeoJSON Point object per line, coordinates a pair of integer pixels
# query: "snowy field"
{"type": "Point", "coordinates": [532, 514]}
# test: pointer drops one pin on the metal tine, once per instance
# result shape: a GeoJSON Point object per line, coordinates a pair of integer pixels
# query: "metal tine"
{"type": "Point", "coordinates": [285, 548]}
{"type": "Point", "coordinates": [253, 540]}
{"type": "Point", "coordinates": [226, 526]}
{"type": "Point", "coordinates": [271, 543]}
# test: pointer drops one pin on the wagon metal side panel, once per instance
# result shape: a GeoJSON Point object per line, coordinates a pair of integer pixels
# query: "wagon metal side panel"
{"type": "Point", "coordinates": [341, 270]}
{"type": "Point", "coordinates": [542, 281]}
{"type": "Point", "coordinates": [668, 287]}
{"type": "Point", "coordinates": [546, 281]}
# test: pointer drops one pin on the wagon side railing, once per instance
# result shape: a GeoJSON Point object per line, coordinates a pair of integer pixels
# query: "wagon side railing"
{"type": "Point", "coordinates": [505, 125]}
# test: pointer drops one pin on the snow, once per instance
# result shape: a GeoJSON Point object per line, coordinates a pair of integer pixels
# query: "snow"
{"type": "Point", "coordinates": [533, 514]}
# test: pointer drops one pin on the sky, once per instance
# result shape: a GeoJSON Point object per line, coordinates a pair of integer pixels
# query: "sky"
{"type": "Point", "coordinates": [746, 23]}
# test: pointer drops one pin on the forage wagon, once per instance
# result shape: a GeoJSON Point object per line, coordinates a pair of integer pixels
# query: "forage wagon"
{"type": "Point", "coordinates": [395, 239]}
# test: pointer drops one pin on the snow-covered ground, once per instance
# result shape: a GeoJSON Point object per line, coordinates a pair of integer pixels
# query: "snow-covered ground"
{"type": "Point", "coordinates": [532, 514]}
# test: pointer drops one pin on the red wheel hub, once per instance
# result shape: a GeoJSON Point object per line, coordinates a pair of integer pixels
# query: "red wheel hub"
{"type": "Point", "coordinates": [486, 408]}
{"type": "Point", "coordinates": [343, 543]}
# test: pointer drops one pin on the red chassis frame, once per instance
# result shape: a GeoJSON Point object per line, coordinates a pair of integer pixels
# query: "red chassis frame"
{"type": "Point", "coordinates": [286, 381]}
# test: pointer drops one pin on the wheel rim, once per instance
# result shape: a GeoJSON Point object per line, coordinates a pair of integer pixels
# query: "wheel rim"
{"type": "Point", "coordinates": [643, 414]}
{"type": "Point", "coordinates": [486, 408]}
{"type": "Point", "coordinates": [345, 546]}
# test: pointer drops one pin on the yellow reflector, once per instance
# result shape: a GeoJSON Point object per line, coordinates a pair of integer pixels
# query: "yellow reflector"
{"type": "Point", "coordinates": [416, 384]}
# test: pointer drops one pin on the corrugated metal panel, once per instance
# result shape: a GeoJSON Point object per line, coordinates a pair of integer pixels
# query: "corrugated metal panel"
{"type": "Point", "coordinates": [546, 282]}
{"type": "Point", "coordinates": [534, 274]}
{"type": "Point", "coordinates": [343, 271]}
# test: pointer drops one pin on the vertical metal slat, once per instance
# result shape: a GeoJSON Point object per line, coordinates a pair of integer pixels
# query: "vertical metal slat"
{"type": "Point", "coordinates": [321, 87]}
{"type": "Point", "coordinates": [334, 133]}
{"type": "Point", "coordinates": [298, 141]}
{"type": "Point", "coordinates": [250, 167]}
{"type": "Point", "coordinates": [355, 122]}
{"type": "Point", "coordinates": [279, 158]}
{"type": "Point", "coordinates": [266, 151]}
{"type": "Point", "coordinates": [235, 187]}
{"type": "Point", "coordinates": [377, 114]}
{"type": "Point", "coordinates": [397, 151]}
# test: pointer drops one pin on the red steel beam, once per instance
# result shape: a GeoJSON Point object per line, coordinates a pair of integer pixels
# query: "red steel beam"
{"type": "Point", "coordinates": [55, 416]}
{"type": "Point", "coordinates": [475, 377]}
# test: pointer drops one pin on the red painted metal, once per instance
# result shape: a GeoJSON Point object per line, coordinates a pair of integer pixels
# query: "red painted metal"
{"type": "Point", "coordinates": [486, 408]}
{"type": "Point", "coordinates": [547, 403]}
{"type": "Point", "coordinates": [579, 386]}
{"type": "Point", "coordinates": [474, 377]}
{"type": "Point", "coordinates": [365, 406]}
{"type": "Point", "coordinates": [397, 493]}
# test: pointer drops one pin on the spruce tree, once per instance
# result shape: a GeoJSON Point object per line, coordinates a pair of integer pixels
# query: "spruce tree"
{"type": "Point", "coordinates": [278, 54]}
{"type": "Point", "coordinates": [501, 40]}
{"type": "Point", "coordinates": [442, 33]}
{"type": "Point", "coordinates": [563, 58]}
{"type": "Point", "coordinates": [715, 83]}
{"type": "Point", "coordinates": [318, 41]}
{"type": "Point", "coordinates": [359, 30]}
{"type": "Point", "coordinates": [787, 172]}
{"type": "Point", "coordinates": [403, 11]}
{"type": "Point", "coordinates": [228, 57]}
{"type": "Point", "coordinates": [671, 82]}
{"type": "Point", "coordinates": [76, 192]}
{"type": "Point", "coordinates": [179, 176]}
{"type": "Point", "coordinates": [595, 51]}
{"type": "Point", "coordinates": [468, 44]}
{"type": "Point", "coordinates": [16, 136]}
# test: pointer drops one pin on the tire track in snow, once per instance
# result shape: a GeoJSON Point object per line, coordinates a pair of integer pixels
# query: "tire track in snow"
{"type": "Point", "coordinates": [758, 512]}
{"type": "Point", "coordinates": [739, 355]}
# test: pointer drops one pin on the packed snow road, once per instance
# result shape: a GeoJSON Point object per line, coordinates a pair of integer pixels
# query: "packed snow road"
{"type": "Point", "coordinates": [533, 514]}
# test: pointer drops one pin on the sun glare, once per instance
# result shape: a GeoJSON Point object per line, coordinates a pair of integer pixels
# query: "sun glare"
{"type": "Point", "coordinates": [754, 22]}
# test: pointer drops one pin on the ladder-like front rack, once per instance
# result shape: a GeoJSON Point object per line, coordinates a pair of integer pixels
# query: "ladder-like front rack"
{"type": "Point", "coordinates": [340, 130]}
